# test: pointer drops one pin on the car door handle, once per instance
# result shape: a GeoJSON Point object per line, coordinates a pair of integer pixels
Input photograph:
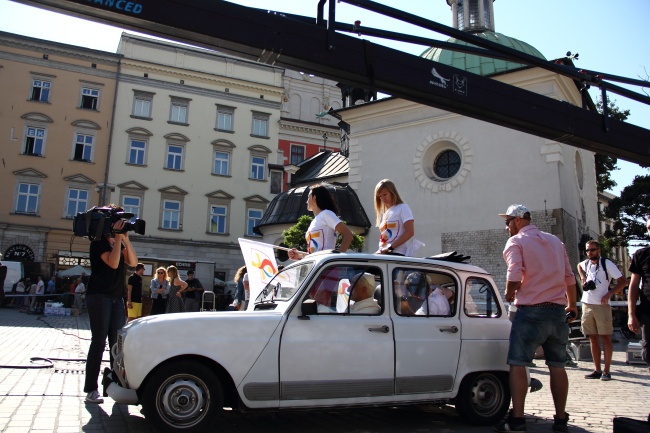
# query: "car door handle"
{"type": "Point", "coordinates": [452, 329]}
{"type": "Point", "coordinates": [383, 329]}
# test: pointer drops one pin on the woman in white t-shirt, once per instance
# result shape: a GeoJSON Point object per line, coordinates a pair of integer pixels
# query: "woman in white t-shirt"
{"type": "Point", "coordinates": [395, 221]}
{"type": "Point", "coordinates": [321, 234]}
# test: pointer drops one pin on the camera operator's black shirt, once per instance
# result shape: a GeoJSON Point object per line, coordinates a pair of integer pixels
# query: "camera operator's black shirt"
{"type": "Point", "coordinates": [641, 266]}
{"type": "Point", "coordinates": [103, 279]}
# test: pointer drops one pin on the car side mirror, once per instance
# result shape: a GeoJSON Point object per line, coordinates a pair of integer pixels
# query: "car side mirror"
{"type": "Point", "coordinates": [309, 307]}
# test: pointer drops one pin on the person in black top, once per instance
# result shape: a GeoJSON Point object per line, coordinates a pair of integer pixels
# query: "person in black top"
{"type": "Point", "coordinates": [109, 257]}
{"type": "Point", "coordinates": [194, 293]}
{"type": "Point", "coordinates": [134, 293]}
{"type": "Point", "coordinates": [639, 315]}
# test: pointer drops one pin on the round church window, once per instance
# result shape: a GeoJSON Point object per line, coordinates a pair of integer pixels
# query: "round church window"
{"type": "Point", "coordinates": [447, 164]}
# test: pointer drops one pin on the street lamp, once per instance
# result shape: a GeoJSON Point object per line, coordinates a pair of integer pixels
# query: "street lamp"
{"type": "Point", "coordinates": [325, 141]}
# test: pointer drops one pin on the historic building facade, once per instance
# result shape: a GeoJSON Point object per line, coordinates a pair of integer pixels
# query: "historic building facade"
{"type": "Point", "coordinates": [458, 173]}
{"type": "Point", "coordinates": [55, 130]}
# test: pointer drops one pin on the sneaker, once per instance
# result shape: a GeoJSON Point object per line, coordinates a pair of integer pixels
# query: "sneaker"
{"type": "Point", "coordinates": [606, 377]}
{"type": "Point", "coordinates": [94, 397]}
{"type": "Point", "coordinates": [560, 425]}
{"type": "Point", "coordinates": [594, 375]}
{"type": "Point", "coordinates": [511, 424]}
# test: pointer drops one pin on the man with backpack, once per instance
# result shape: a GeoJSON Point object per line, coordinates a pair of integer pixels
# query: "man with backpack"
{"type": "Point", "coordinates": [597, 323]}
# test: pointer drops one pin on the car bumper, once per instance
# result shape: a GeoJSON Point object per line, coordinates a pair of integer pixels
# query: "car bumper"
{"type": "Point", "coordinates": [118, 393]}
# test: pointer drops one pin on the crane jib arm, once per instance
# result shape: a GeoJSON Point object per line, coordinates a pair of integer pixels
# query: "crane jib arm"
{"type": "Point", "coordinates": [294, 44]}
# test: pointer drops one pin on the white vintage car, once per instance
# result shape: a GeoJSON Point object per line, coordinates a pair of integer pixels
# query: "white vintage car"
{"type": "Point", "coordinates": [437, 332]}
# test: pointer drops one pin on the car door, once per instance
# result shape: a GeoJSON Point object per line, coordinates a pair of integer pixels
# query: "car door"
{"type": "Point", "coordinates": [427, 336]}
{"type": "Point", "coordinates": [336, 355]}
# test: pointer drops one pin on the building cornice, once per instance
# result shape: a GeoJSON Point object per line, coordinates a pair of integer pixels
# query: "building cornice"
{"type": "Point", "coordinates": [202, 76]}
{"type": "Point", "coordinates": [43, 63]}
{"type": "Point", "coordinates": [184, 88]}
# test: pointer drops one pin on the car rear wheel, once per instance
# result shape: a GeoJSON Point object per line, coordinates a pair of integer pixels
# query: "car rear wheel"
{"type": "Point", "coordinates": [184, 396]}
{"type": "Point", "coordinates": [483, 398]}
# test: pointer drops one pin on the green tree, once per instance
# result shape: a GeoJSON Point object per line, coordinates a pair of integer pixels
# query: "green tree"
{"type": "Point", "coordinates": [294, 236]}
{"type": "Point", "coordinates": [605, 165]}
{"type": "Point", "coordinates": [630, 212]}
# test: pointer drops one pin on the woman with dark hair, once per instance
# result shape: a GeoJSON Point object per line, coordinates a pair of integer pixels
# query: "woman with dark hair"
{"type": "Point", "coordinates": [321, 234]}
{"type": "Point", "coordinates": [109, 257]}
{"type": "Point", "coordinates": [395, 221]}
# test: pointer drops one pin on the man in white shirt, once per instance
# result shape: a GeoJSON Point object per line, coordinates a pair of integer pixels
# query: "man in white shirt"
{"type": "Point", "coordinates": [597, 323]}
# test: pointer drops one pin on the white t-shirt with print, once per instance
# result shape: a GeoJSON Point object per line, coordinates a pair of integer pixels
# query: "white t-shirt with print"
{"type": "Point", "coordinates": [392, 226]}
{"type": "Point", "coordinates": [321, 234]}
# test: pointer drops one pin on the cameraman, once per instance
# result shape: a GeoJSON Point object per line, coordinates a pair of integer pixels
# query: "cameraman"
{"type": "Point", "coordinates": [109, 257]}
{"type": "Point", "coordinates": [597, 322]}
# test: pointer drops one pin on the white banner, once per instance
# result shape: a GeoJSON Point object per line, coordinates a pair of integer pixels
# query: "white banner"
{"type": "Point", "coordinates": [260, 265]}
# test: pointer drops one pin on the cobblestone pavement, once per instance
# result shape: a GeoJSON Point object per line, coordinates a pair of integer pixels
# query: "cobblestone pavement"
{"type": "Point", "coordinates": [51, 399]}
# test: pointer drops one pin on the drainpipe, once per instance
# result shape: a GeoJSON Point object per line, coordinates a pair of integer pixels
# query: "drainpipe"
{"type": "Point", "coordinates": [110, 133]}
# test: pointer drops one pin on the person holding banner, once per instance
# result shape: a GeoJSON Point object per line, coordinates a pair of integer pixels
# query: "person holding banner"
{"type": "Point", "coordinates": [321, 234]}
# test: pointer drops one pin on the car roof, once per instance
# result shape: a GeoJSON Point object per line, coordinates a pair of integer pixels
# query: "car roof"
{"type": "Point", "coordinates": [326, 256]}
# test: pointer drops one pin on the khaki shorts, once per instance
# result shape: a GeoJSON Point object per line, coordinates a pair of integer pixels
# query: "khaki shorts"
{"type": "Point", "coordinates": [597, 319]}
{"type": "Point", "coordinates": [136, 311]}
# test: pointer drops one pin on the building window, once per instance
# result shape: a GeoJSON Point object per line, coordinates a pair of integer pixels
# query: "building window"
{"type": "Point", "coordinates": [35, 141]}
{"type": "Point", "coordinates": [276, 182]}
{"type": "Point", "coordinates": [253, 217]}
{"type": "Point", "coordinates": [142, 104]}
{"type": "Point", "coordinates": [174, 157]}
{"type": "Point", "coordinates": [132, 205]}
{"type": "Point", "coordinates": [225, 117]}
{"type": "Point", "coordinates": [89, 98]}
{"type": "Point", "coordinates": [27, 198]}
{"type": "Point", "coordinates": [221, 163]}
{"type": "Point", "coordinates": [218, 219]}
{"type": "Point", "coordinates": [260, 124]}
{"type": "Point", "coordinates": [297, 154]}
{"type": "Point", "coordinates": [447, 164]}
{"type": "Point", "coordinates": [77, 202]}
{"type": "Point", "coordinates": [84, 145]}
{"type": "Point", "coordinates": [41, 90]}
{"type": "Point", "coordinates": [137, 151]}
{"type": "Point", "coordinates": [258, 165]}
{"type": "Point", "coordinates": [178, 111]}
{"type": "Point", "coordinates": [171, 214]}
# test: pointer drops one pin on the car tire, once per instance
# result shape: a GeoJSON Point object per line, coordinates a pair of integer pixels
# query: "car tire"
{"type": "Point", "coordinates": [183, 396]}
{"type": "Point", "coordinates": [483, 398]}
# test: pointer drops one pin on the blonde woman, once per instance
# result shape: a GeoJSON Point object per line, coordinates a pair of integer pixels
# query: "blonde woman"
{"type": "Point", "coordinates": [395, 221]}
{"type": "Point", "coordinates": [177, 286]}
{"type": "Point", "coordinates": [159, 292]}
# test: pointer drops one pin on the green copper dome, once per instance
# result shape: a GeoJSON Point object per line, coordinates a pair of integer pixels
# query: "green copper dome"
{"type": "Point", "coordinates": [481, 65]}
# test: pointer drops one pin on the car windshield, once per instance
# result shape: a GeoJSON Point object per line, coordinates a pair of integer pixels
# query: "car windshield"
{"type": "Point", "coordinates": [285, 283]}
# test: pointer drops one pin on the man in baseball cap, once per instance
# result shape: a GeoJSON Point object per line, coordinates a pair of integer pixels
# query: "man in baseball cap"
{"type": "Point", "coordinates": [540, 283]}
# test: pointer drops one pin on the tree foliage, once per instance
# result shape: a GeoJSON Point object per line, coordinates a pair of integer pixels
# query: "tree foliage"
{"type": "Point", "coordinates": [605, 165]}
{"type": "Point", "coordinates": [294, 236]}
{"type": "Point", "coordinates": [630, 212]}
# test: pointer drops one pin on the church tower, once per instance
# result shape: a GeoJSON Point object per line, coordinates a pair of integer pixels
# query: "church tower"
{"type": "Point", "coordinates": [473, 16]}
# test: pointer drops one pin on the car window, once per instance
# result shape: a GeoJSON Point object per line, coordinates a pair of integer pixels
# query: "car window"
{"type": "Point", "coordinates": [419, 292]}
{"type": "Point", "coordinates": [346, 289]}
{"type": "Point", "coordinates": [285, 283]}
{"type": "Point", "coordinates": [480, 299]}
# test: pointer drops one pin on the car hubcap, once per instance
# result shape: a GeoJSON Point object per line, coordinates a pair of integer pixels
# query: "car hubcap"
{"type": "Point", "coordinates": [183, 401]}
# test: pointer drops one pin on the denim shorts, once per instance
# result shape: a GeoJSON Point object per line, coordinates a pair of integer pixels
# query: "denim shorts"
{"type": "Point", "coordinates": [539, 326]}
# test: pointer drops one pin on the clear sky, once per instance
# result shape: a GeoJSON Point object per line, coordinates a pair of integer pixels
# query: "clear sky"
{"type": "Point", "coordinates": [610, 36]}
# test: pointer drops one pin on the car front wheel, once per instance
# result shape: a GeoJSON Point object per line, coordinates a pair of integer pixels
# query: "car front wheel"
{"type": "Point", "coordinates": [183, 396]}
{"type": "Point", "coordinates": [483, 398]}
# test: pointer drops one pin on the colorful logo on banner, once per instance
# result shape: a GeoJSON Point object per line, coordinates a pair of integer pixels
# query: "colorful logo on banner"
{"type": "Point", "coordinates": [261, 261]}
